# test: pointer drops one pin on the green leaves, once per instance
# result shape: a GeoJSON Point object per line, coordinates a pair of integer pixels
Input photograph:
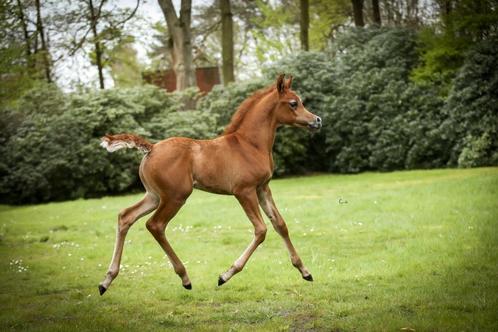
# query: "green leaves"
{"type": "Point", "coordinates": [53, 153]}
{"type": "Point", "coordinates": [471, 111]}
{"type": "Point", "coordinates": [375, 118]}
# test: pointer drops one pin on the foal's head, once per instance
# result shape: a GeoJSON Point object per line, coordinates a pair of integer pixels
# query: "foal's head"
{"type": "Point", "coordinates": [290, 109]}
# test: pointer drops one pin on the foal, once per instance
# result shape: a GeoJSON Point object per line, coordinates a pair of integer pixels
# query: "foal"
{"type": "Point", "coordinates": [238, 163]}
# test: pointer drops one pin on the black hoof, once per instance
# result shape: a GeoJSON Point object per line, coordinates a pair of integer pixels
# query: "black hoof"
{"type": "Point", "coordinates": [102, 289]}
{"type": "Point", "coordinates": [221, 281]}
{"type": "Point", "coordinates": [308, 277]}
{"type": "Point", "coordinates": [188, 286]}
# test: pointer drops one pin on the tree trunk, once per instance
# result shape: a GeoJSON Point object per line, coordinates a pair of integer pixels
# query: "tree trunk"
{"type": "Point", "coordinates": [358, 13]}
{"type": "Point", "coordinates": [376, 13]}
{"type": "Point", "coordinates": [305, 23]}
{"type": "Point", "coordinates": [27, 43]}
{"type": "Point", "coordinates": [227, 41]}
{"type": "Point", "coordinates": [179, 29]}
{"type": "Point", "coordinates": [98, 47]}
{"type": "Point", "coordinates": [412, 13]}
{"type": "Point", "coordinates": [44, 50]}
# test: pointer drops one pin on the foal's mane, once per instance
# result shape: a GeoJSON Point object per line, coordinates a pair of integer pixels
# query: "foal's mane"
{"type": "Point", "coordinates": [246, 105]}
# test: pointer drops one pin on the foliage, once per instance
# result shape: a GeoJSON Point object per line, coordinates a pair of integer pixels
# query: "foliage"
{"type": "Point", "coordinates": [443, 44]}
{"type": "Point", "coordinates": [375, 118]}
{"type": "Point", "coordinates": [472, 109]}
{"type": "Point", "coordinates": [53, 152]}
{"type": "Point", "coordinates": [325, 19]}
{"type": "Point", "coordinates": [125, 68]}
{"type": "Point", "coordinates": [14, 60]}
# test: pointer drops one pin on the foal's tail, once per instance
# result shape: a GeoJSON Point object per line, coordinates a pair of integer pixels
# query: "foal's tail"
{"type": "Point", "coordinates": [116, 142]}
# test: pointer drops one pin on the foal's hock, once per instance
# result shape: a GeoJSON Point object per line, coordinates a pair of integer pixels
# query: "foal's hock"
{"type": "Point", "coordinates": [239, 163]}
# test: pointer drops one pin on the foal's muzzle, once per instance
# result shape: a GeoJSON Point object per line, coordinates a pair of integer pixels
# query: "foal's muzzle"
{"type": "Point", "coordinates": [315, 125]}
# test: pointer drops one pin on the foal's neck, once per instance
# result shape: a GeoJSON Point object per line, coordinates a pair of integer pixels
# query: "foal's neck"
{"type": "Point", "coordinates": [259, 125]}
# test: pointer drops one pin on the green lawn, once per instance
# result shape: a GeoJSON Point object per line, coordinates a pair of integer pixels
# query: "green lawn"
{"type": "Point", "coordinates": [413, 250]}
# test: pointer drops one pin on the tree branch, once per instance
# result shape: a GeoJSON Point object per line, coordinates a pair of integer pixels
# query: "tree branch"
{"type": "Point", "coordinates": [131, 14]}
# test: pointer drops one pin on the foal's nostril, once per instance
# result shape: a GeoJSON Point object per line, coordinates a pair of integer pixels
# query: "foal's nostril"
{"type": "Point", "coordinates": [318, 120]}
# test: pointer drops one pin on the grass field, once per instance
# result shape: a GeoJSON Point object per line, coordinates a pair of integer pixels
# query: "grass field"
{"type": "Point", "coordinates": [396, 251]}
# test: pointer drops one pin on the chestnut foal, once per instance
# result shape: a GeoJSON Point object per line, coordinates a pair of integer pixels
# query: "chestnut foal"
{"type": "Point", "coordinates": [238, 163]}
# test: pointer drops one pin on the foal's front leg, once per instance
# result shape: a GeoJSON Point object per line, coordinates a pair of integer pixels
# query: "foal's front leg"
{"type": "Point", "coordinates": [268, 205]}
{"type": "Point", "coordinates": [249, 201]}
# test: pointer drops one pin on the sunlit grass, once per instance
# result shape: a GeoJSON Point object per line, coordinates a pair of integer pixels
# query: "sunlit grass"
{"type": "Point", "coordinates": [415, 250]}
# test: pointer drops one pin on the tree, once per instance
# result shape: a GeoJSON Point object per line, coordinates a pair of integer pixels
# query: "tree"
{"type": "Point", "coordinates": [161, 48]}
{"type": "Point", "coordinates": [304, 24]}
{"type": "Point", "coordinates": [94, 16]}
{"type": "Point", "coordinates": [126, 70]}
{"type": "Point", "coordinates": [180, 32]}
{"type": "Point", "coordinates": [444, 43]}
{"type": "Point", "coordinates": [26, 36]}
{"type": "Point", "coordinates": [95, 24]}
{"type": "Point", "coordinates": [44, 50]}
{"type": "Point", "coordinates": [376, 13]}
{"type": "Point", "coordinates": [227, 41]}
{"type": "Point", "coordinates": [15, 54]}
{"type": "Point", "coordinates": [326, 18]}
{"type": "Point", "coordinates": [25, 55]}
{"type": "Point", "coordinates": [358, 13]}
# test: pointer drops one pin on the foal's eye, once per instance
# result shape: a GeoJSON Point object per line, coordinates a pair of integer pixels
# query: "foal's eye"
{"type": "Point", "coordinates": [293, 104]}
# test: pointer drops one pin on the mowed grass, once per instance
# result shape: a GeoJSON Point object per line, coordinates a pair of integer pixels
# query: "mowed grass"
{"type": "Point", "coordinates": [415, 250]}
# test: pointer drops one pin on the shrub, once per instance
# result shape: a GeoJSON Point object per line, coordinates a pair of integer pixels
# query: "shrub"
{"type": "Point", "coordinates": [471, 111]}
{"type": "Point", "coordinates": [54, 151]}
{"type": "Point", "coordinates": [375, 118]}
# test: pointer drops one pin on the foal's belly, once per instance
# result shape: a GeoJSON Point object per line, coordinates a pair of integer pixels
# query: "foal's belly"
{"type": "Point", "coordinates": [211, 189]}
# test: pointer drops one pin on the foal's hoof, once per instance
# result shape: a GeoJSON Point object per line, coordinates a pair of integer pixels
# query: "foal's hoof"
{"type": "Point", "coordinates": [188, 286]}
{"type": "Point", "coordinates": [308, 277]}
{"type": "Point", "coordinates": [102, 289]}
{"type": "Point", "coordinates": [221, 281]}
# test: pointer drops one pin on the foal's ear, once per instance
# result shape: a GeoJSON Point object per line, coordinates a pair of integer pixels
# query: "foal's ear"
{"type": "Point", "coordinates": [288, 83]}
{"type": "Point", "coordinates": [281, 83]}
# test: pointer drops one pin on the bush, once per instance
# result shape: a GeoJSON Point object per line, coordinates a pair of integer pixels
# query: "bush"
{"type": "Point", "coordinates": [471, 112]}
{"type": "Point", "coordinates": [375, 118]}
{"type": "Point", "coordinates": [54, 152]}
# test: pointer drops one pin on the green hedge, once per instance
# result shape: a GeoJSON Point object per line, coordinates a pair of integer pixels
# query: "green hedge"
{"type": "Point", "coordinates": [51, 151]}
{"type": "Point", "coordinates": [375, 118]}
{"type": "Point", "coordinates": [471, 112]}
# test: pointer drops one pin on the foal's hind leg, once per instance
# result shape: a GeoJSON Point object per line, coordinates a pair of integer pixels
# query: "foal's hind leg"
{"type": "Point", "coordinates": [249, 201]}
{"type": "Point", "coordinates": [126, 219]}
{"type": "Point", "coordinates": [268, 205]}
{"type": "Point", "coordinates": [157, 226]}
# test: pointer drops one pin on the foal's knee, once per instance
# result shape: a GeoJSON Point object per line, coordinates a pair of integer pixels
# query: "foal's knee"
{"type": "Point", "coordinates": [124, 222]}
{"type": "Point", "coordinates": [260, 233]}
{"type": "Point", "coordinates": [154, 227]}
